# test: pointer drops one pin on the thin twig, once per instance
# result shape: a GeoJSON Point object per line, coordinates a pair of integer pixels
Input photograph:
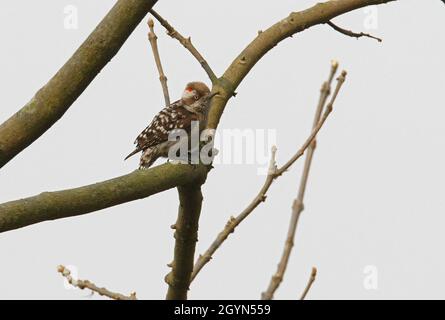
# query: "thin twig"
{"type": "Point", "coordinates": [310, 282]}
{"type": "Point", "coordinates": [187, 43]}
{"type": "Point", "coordinates": [350, 33]}
{"type": "Point", "coordinates": [329, 107]}
{"type": "Point", "coordinates": [154, 46]}
{"type": "Point", "coordinates": [298, 205]}
{"type": "Point", "coordinates": [273, 173]}
{"type": "Point", "coordinates": [85, 284]}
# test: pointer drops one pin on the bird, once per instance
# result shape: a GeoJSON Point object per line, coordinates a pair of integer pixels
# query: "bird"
{"type": "Point", "coordinates": [154, 141]}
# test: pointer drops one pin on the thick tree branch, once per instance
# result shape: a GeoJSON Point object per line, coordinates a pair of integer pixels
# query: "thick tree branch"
{"type": "Point", "coordinates": [186, 236]}
{"type": "Point", "coordinates": [298, 205]}
{"type": "Point", "coordinates": [187, 43]}
{"type": "Point", "coordinates": [85, 284]}
{"type": "Point", "coordinates": [53, 100]}
{"type": "Point", "coordinates": [67, 203]}
{"type": "Point", "coordinates": [266, 40]}
{"type": "Point", "coordinates": [350, 33]}
{"type": "Point", "coordinates": [154, 46]}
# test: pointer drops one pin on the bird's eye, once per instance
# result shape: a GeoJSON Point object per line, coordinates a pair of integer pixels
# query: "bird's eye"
{"type": "Point", "coordinates": [196, 97]}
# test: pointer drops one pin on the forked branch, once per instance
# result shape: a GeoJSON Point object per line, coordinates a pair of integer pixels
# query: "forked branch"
{"type": "Point", "coordinates": [274, 173]}
{"type": "Point", "coordinates": [53, 100]}
{"type": "Point", "coordinates": [298, 204]}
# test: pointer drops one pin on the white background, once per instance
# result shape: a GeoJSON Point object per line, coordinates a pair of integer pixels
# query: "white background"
{"type": "Point", "coordinates": [375, 194]}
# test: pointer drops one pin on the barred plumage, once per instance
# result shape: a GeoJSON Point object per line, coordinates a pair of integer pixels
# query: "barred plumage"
{"type": "Point", "coordinates": [153, 140]}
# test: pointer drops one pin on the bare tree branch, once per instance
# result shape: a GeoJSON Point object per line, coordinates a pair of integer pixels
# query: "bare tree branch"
{"type": "Point", "coordinates": [187, 43]}
{"type": "Point", "coordinates": [273, 173]}
{"type": "Point", "coordinates": [296, 22]}
{"type": "Point", "coordinates": [329, 107]}
{"type": "Point", "coordinates": [310, 283]}
{"type": "Point", "coordinates": [154, 46]}
{"type": "Point", "coordinates": [298, 205]}
{"type": "Point", "coordinates": [85, 284]}
{"type": "Point", "coordinates": [186, 235]}
{"type": "Point", "coordinates": [53, 100]}
{"type": "Point", "coordinates": [67, 203]}
{"type": "Point", "coordinates": [350, 33]}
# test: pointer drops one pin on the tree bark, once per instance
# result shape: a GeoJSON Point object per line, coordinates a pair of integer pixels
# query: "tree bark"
{"type": "Point", "coordinates": [67, 203]}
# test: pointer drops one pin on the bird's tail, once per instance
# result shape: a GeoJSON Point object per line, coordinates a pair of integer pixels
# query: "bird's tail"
{"type": "Point", "coordinates": [132, 154]}
{"type": "Point", "coordinates": [148, 158]}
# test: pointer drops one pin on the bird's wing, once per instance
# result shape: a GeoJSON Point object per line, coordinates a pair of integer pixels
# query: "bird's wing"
{"type": "Point", "coordinates": [172, 117]}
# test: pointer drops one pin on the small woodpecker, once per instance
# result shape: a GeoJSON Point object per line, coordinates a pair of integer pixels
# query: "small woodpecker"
{"type": "Point", "coordinates": [153, 140]}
